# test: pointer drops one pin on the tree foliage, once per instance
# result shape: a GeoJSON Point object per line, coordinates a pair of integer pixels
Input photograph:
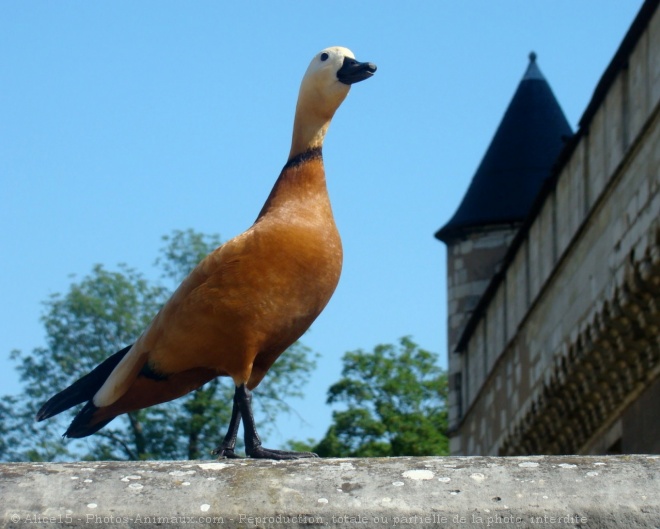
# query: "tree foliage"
{"type": "Point", "coordinates": [395, 404]}
{"type": "Point", "coordinates": [100, 314]}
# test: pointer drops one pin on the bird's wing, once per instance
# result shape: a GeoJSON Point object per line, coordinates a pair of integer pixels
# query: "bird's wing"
{"type": "Point", "coordinates": [136, 360]}
{"type": "Point", "coordinates": [121, 378]}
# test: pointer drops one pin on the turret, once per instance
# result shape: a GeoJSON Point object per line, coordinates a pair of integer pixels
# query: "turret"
{"type": "Point", "coordinates": [517, 162]}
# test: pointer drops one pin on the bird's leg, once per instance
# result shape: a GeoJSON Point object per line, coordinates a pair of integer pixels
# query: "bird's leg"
{"type": "Point", "coordinates": [253, 446]}
{"type": "Point", "coordinates": [226, 448]}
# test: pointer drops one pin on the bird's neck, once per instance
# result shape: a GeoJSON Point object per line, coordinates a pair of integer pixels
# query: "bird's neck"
{"type": "Point", "coordinates": [314, 111]}
{"type": "Point", "coordinates": [309, 129]}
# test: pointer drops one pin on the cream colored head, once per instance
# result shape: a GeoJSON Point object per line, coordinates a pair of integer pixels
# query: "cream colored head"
{"type": "Point", "coordinates": [324, 86]}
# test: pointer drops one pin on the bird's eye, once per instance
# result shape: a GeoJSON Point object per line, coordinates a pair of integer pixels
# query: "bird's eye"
{"type": "Point", "coordinates": [324, 56]}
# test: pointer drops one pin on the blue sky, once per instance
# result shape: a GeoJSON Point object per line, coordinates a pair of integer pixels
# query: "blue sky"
{"type": "Point", "coordinates": [122, 121]}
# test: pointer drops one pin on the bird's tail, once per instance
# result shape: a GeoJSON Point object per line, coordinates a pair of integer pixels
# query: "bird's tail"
{"type": "Point", "coordinates": [82, 389]}
{"type": "Point", "coordinates": [86, 423]}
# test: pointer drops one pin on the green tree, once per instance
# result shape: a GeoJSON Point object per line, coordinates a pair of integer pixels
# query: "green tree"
{"type": "Point", "coordinates": [99, 315]}
{"type": "Point", "coordinates": [395, 405]}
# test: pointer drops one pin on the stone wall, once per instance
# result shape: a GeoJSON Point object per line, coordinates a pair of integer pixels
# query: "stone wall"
{"type": "Point", "coordinates": [471, 263]}
{"type": "Point", "coordinates": [568, 336]}
{"type": "Point", "coordinates": [446, 492]}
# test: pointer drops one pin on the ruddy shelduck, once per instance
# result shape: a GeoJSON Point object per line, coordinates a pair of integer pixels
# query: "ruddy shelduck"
{"type": "Point", "coordinates": [248, 300]}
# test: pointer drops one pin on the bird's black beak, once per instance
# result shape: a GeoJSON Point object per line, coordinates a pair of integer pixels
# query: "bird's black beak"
{"type": "Point", "coordinates": [352, 71]}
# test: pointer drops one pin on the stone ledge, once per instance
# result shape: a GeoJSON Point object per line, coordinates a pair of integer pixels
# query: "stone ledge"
{"type": "Point", "coordinates": [440, 492]}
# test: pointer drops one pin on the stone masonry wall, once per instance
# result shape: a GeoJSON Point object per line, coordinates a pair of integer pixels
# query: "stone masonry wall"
{"type": "Point", "coordinates": [581, 292]}
{"type": "Point", "coordinates": [471, 263]}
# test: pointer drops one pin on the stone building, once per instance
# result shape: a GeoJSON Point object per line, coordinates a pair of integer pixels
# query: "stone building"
{"type": "Point", "coordinates": [553, 264]}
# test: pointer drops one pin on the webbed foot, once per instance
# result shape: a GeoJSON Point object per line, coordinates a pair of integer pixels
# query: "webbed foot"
{"type": "Point", "coordinates": [226, 453]}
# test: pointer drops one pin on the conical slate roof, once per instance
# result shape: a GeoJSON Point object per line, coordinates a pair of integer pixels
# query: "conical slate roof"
{"type": "Point", "coordinates": [518, 160]}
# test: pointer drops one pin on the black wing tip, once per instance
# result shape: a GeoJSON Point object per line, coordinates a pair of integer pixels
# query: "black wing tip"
{"type": "Point", "coordinates": [82, 389]}
{"type": "Point", "coordinates": [51, 407]}
{"type": "Point", "coordinates": [58, 403]}
{"type": "Point", "coordinates": [42, 414]}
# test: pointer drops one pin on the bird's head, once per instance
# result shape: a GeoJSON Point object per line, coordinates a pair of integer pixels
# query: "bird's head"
{"type": "Point", "coordinates": [330, 75]}
{"type": "Point", "coordinates": [325, 85]}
